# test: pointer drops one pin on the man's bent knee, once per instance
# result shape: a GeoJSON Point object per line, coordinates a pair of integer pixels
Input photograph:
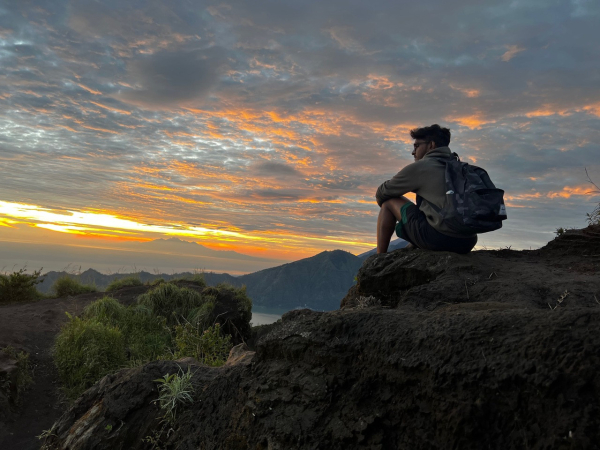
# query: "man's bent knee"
{"type": "Point", "coordinates": [394, 205]}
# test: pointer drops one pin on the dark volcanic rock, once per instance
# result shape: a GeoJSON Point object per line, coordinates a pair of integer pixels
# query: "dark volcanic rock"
{"type": "Point", "coordinates": [584, 242]}
{"type": "Point", "coordinates": [475, 351]}
{"type": "Point", "coordinates": [532, 279]}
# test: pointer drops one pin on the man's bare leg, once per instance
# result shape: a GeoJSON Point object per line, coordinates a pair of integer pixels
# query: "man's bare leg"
{"type": "Point", "coordinates": [389, 214]}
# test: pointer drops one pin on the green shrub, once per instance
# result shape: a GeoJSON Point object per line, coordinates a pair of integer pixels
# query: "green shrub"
{"type": "Point", "coordinates": [19, 286]}
{"type": "Point", "coordinates": [203, 315]}
{"type": "Point", "coordinates": [147, 336]}
{"type": "Point", "coordinates": [209, 346]}
{"type": "Point", "coordinates": [85, 351]}
{"type": "Point", "coordinates": [23, 375]}
{"type": "Point", "coordinates": [171, 301]}
{"type": "Point", "coordinates": [69, 285]}
{"type": "Point", "coordinates": [109, 335]}
{"type": "Point", "coordinates": [244, 303]}
{"type": "Point", "coordinates": [133, 280]}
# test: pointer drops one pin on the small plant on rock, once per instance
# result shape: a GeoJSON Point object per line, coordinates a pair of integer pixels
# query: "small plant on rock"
{"type": "Point", "coordinates": [175, 392]}
{"type": "Point", "coordinates": [46, 435]}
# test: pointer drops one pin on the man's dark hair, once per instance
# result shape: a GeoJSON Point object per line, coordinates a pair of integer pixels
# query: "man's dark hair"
{"type": "Point", "coordinates": [435, 133]}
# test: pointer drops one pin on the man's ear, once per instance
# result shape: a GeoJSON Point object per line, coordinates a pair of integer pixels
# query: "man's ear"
{"type": "Point", "coordinates": [432, 145]}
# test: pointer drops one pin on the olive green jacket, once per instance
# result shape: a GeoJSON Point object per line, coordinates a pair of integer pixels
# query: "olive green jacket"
{"type": "Point", "coordinates": [426, 178]}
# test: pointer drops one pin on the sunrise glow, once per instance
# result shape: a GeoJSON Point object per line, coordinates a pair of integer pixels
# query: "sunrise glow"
{"type": "Point", "coordinates": [267, 132]}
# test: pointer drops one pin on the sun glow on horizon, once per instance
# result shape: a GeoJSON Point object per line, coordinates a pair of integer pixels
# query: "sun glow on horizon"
{"type": "Point", "coordinates": [108, 225]}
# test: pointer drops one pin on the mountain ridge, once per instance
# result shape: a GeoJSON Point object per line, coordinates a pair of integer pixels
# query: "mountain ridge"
{"type": "Point", "coordinates": [317, 282]}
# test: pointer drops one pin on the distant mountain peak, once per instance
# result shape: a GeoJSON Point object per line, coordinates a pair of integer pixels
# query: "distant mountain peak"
{"type": "Point", "coordinates": [174, 239]}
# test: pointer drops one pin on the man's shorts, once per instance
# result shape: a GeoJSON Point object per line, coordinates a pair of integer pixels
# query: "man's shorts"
{"type": "Point", "coordinates": [415, 229]}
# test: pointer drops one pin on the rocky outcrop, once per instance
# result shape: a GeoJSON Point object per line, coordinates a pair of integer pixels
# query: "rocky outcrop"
{"type": "Point", "coordinates": [430, 350]}
{"type": "Point", "coordinates": [567, 267]}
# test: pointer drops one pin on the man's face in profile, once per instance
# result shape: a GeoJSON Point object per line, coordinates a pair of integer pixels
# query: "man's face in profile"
{"type": "Point", "coordinates": [420, 148]}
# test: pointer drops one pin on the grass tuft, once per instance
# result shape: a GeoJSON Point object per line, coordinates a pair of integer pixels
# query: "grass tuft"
{"type": "Point", "coordinates": [68, 285]}
{"type": "Point", "coordinates": [175, 391]}
{"type": "Point", "coordinates": [106, 310]}
{"type": "Point", "coordinates": [209, 346]}
{"type": "Point", "coordinates": [171, 301]}
{"type": "Point", "coordinates": [132, 280]}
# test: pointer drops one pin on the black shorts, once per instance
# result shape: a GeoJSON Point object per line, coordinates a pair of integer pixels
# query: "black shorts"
{"type": "Point", "coordinates": [415, 229]}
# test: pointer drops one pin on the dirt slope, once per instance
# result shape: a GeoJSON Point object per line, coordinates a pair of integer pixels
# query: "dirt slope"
{"type": "Point", "coordinates": [31, 327]}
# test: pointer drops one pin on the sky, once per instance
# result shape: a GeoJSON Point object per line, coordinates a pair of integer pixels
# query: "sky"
{"type": "Point", "coordinates": [266, 127]}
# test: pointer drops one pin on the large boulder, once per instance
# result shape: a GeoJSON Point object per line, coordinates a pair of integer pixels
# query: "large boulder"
{"type": "Point", "coordinates": [488, 350]}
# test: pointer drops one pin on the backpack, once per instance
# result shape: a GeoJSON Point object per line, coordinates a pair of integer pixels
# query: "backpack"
{"type": "Point", "coordinates": [473, 204]}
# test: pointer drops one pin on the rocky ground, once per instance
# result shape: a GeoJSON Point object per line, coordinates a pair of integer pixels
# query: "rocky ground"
{"type": "Point", "coordinates": [495, 349]}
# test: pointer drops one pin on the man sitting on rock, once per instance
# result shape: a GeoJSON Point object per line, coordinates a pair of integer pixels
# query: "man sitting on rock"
{"type": "Point", "coordinates": [421, 224]}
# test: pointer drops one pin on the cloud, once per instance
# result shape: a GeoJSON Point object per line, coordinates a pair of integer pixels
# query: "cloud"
{"type": "Point", "coordinates": [274, 169]}
{"type": "Point", "coordinates": [173, 77]}
{"type": "Point", "coordinates": [288, 115]}
{"type": "Point", "coordinates": [511, 52]}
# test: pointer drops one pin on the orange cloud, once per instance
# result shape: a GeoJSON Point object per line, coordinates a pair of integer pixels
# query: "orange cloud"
{"type": "Point", "coordinates": [104, 130]}
{"type": "Point", "coordinates": [90, 90]}
{"type": "Point", "coordinates": [568, 191]}
{"type": "Point", "coordinates": [548, 110]}
{"type": "Point", "coordinates": [516, 205]}
{"type": "Point", "coordinates": [593, 109]}
{"type": "Point", "coordinates": [68, 128]}
{"type": "Point", "coordinates": [471, 93]}
{"type": "Point", "coordinates": [91, 233]}
{"type": "Point", "coordinates": [511, 52]}
{"type": "Point", "coordinates": [473, 121]}
{"type": "Point", "coordinates": [110, 108]}
{"type": "Point", "coordinates": [520, 197]}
